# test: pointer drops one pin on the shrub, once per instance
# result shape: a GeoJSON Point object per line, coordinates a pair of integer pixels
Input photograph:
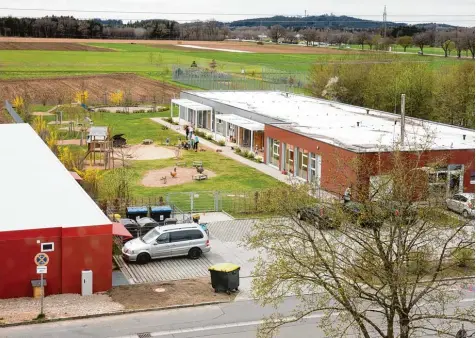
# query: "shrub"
{"type": "Point", "coordinates": [260, 43]}
{"type": "Point", "coordinates": [418, 264]}
{"type": "Point", "coordinates": [169, 120]}
{"type": "Point", "coordinates": [209, 137]}
{"type": "Point", "coordinates": [222, 143]}
{"type": "Point", "coordinates": [463, 257]}
{"type": "Point", "coordinates": [237, 150]}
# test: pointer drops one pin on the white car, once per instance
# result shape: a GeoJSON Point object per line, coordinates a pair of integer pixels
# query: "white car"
{"type": "Point", "coordinates": [462, 204]}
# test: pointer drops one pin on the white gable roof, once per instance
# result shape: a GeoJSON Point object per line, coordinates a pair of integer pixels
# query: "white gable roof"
{"type": "Point", "coordinates": [36, 190]}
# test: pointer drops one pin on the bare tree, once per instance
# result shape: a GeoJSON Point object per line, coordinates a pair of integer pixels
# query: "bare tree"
{"type": "Point", "coordinates": [360, 38]}
{"type": "Point", "coordinates": [468, 36]}
{"type": "Point", "coordinates": [421, 40]}
{"type": "Point", "coordinates": [444, 41]}
{"type": "Point", "coordinates": [276, 32]}
{"type": "Point", "coordinates": [373, 268]}
{"type": "Point", "coordinates": [290, 37]}
{"type": "Point", "coordinates": [309, 35]}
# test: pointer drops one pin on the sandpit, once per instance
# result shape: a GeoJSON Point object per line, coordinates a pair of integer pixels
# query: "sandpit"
{"type": "Point", "coordinates": [184, 175]}
{"type": "Point", "coordinates": [147, 152]}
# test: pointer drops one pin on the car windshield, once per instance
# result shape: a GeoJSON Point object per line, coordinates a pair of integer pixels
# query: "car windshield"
{"type": "Point", "coordinates": [150, 237]}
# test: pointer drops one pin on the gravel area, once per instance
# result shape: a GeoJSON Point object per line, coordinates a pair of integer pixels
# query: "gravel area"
{"type": "Point", "coordinates": [56, 306]}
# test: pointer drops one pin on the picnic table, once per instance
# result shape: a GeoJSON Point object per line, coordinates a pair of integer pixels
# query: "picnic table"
{"type": "Point", "coordinates": [181, 163]}
{"type": "Point", "coordinates": [200, 177]}
{"type": "Point", "coordinates": [197, 164]}
{"type": "Point", "coordinates": [147, 141]}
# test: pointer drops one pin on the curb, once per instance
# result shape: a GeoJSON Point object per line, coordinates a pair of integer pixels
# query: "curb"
{"type": "Point", "coordinates": [108, 314]}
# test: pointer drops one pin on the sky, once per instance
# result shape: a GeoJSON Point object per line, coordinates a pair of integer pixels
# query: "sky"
{"type": "Point", "coordinates": [459, 12]}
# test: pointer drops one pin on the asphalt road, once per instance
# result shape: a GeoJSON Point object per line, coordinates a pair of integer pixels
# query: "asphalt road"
{"type": "Point", "coordinates": [231, 320]}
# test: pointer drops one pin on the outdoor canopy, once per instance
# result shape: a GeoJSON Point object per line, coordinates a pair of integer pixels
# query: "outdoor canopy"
{"type": "Point", "coordinates": [120, 230]}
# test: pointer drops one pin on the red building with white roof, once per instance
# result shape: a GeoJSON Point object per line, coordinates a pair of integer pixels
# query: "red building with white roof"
{"type": "Point", "coordinates": [45, 210]}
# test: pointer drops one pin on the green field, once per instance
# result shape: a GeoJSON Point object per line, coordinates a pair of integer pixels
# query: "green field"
{"type": "Point", "coordinates": [157, 62]}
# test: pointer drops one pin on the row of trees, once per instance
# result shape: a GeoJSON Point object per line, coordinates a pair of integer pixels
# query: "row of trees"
{"type": "Point", "coordinates": [70, 27]}
{"type": "Point", "coordinates": [445, 94]}
{"type": "Point", "coordinates": [458, 40]}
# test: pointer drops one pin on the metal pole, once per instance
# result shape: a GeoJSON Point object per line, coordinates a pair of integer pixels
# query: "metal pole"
{"type": "Point", "coordinates": [42, 294]}
{"type": "Point", "coordinates": [402, 122]}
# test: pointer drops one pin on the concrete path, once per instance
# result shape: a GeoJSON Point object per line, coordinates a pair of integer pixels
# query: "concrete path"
{"type": "Point", "coordinates": [228, 152]}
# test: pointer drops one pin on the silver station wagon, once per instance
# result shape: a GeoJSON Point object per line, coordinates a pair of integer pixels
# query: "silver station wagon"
{"type": "Point", "coordinates": [168, 241]}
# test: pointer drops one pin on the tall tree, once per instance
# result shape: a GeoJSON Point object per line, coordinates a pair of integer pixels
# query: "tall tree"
{"type": "Point", "coordinates": [360, 38]}
{"type": "Point", "coordinates": [377, 272]}
{"type": "Point", "coordinates": [444, 41]}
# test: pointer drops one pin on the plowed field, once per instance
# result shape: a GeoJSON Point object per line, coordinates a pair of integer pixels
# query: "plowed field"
{"type": "Point", "coordinates": [65, 46]}
{"type": "Point", "coordinates": [63, 89]}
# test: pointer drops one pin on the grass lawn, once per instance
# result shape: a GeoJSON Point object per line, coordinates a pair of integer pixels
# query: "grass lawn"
{"type": "Point", "coordinates": [153, 61]}
{"type": "Point", "coordinates": [414, 50]}
{"type": "Point", "coordinates": [238, 180]}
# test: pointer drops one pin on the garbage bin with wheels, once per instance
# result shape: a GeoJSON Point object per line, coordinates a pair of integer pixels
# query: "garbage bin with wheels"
{"type": "Point", "coordinates": [225, 277]}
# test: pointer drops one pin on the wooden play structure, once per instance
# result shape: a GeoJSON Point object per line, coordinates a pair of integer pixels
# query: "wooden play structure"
{"type": "Point", "coordinates": [99, 141]}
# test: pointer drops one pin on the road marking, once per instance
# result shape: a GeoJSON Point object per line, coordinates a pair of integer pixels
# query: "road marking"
{"type": "Point", "coordinates": [222, 326]}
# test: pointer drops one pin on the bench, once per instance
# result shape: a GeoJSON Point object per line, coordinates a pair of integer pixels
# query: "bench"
{"type": "Point", "coordinates": [181, 163]}
{"type": "Point", "coordinates": [147, 141]}
{"type": "Point", "coordinates": [197, 164]}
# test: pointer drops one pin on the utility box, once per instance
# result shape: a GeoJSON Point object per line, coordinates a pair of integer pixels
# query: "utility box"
{"type": "Point", "coordinates": [86, 283]}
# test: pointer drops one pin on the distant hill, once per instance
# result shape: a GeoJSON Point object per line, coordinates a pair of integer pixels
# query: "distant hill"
{"type": "Point", "coordinates": [320, 21]}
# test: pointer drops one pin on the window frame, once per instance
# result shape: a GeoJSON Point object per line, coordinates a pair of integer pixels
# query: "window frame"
{"type": "Point", "coordinates": [48, 250]}
{"type": "Point", "coordinates": [163, 234]}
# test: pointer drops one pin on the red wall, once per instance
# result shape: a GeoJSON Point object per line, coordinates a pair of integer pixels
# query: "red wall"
{"type": "Point", "coordinates": [76, 249]}
{"type": "Point", "coordinates": [337, 169]}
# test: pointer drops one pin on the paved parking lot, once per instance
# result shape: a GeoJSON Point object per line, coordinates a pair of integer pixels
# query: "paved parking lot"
{"type": "Point", "coordinates": [225, 237]}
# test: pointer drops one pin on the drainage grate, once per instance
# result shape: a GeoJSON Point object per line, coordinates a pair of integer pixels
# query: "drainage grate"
{"type": "Point", "coordinates": [144, 335]}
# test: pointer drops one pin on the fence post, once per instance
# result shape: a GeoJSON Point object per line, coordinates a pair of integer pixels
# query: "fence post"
{"type": "Point", "coordinates": [215, 201]}
{"type": "Point", "coordinates": [191, 203]}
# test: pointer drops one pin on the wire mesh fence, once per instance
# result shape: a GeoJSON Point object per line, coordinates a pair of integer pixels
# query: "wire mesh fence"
{"type": "Point", "coordinates": [240, 204]}
{"type": "Point", "coordinates": [217, 80]}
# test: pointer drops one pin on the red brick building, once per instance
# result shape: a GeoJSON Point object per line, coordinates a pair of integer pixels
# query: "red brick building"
{"type": "Point", "coordinates": [318, 140]}
{"type": "Point", "coordinates": [45, 210]}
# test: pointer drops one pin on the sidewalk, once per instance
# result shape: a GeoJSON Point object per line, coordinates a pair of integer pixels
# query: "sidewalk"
{"type": "Point", "coordinates": [228, 152]}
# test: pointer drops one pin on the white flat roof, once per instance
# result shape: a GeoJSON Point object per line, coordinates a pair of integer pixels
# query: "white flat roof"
{"type": "Point", "coordinates": [36, 190]}
{"type": "Point", "coordinates": [191, 104]}
{"type": "Point", "coordinates": [336, 123]}
{"type": "Point", "coordinates": [241, 122]}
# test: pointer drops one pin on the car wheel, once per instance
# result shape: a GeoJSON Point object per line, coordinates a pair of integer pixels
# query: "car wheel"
{"type": "Point", "coordinates": [465, 214]}
{"type": "Point", "coordinates": [194, 253]}
{"type": "Point", "coordinates": [143, 258]}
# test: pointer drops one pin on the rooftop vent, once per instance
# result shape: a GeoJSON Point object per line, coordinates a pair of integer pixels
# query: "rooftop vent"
{"type": "Point", "coordinates": [464, 136]}
{"type": "Point", "coordinates": [358, 124]}
{"type": "Point", "coordinates": [368, 111]}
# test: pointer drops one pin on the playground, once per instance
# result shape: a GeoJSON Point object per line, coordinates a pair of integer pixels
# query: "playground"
{"type": "Point", "coordinates": [170, 176]}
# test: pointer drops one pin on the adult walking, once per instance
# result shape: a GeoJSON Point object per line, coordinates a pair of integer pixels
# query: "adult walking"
{"type": "Point", "coordinates": [195, 144]}
{"type": "Point", "coordinates": [187, 130]}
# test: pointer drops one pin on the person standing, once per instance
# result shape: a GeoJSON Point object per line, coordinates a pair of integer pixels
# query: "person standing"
{"type": "Point", "coordinates": [187, 130]}
{"type": "Point", "coordinates": [348, 194]}
{"type": "Point", "coordinates": [190, 133]}
{"type": "Point", "coordinates": [195, 144]}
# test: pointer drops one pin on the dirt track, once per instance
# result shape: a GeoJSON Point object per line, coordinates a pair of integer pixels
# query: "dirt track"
{"type": "Point", "coordinates": [244, 46]}
{"type": "Point", "coordinates": [62, 89]}
{"type": "Point", "coordinates": [65, 46]}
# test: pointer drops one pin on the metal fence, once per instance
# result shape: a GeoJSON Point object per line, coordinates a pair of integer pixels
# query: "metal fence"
{"type": "Point", "coordinates": [13, 113]}
{"type": "Point", "coordinates": [217, 80]}
{"type": "Point", "coordinates": [184, 204]}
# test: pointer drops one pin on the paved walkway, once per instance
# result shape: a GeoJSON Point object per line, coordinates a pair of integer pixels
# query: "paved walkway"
{"type": "Point", "coordinates": [228, 152]}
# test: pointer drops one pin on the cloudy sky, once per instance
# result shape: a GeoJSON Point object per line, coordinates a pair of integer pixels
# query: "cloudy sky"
{"type": "Point", "coordinates": [459, 12]}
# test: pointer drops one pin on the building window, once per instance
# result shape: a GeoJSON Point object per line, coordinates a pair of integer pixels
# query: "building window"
{"type": "Point", "coordinates": [303, 163]}
{"type": "Point", "coordinates": [312, 167]}
{"type": "Point", "coordinates": [273, 152]}
{"type": "Point", "coordinates": [289, 165]}
{"type": "Point", "coordinates": [47, 247]}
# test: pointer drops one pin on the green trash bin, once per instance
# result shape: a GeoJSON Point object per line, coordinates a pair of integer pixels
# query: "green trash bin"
{"type": "Point", "coordinates": [225, 277]}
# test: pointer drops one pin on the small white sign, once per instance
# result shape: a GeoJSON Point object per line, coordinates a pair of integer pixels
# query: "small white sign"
{"type": "Point", "coordinates": [41, 269]}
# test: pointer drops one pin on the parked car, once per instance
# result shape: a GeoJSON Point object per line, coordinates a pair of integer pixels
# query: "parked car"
{"type": "Point", "coordinates": [168, 241]}
{"type": "Point", "coordinates": [376, 214]}
{"type": "Point", "coordinates": [316, 214]}
{"type": "Point", "coordinates": [462, 204]}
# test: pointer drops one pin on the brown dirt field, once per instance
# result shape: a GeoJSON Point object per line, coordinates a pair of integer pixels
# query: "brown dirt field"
{"type": "Point", "coordinates": [143, 296]}
{"type": "Point", "coordinates": [173, 44]}
{"type": "Point", "coordinates": [63, 89]}
{"type": "Point", "coordinates": [184, 175]}
{"type": "Point", "coordinates": [65, 46]}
